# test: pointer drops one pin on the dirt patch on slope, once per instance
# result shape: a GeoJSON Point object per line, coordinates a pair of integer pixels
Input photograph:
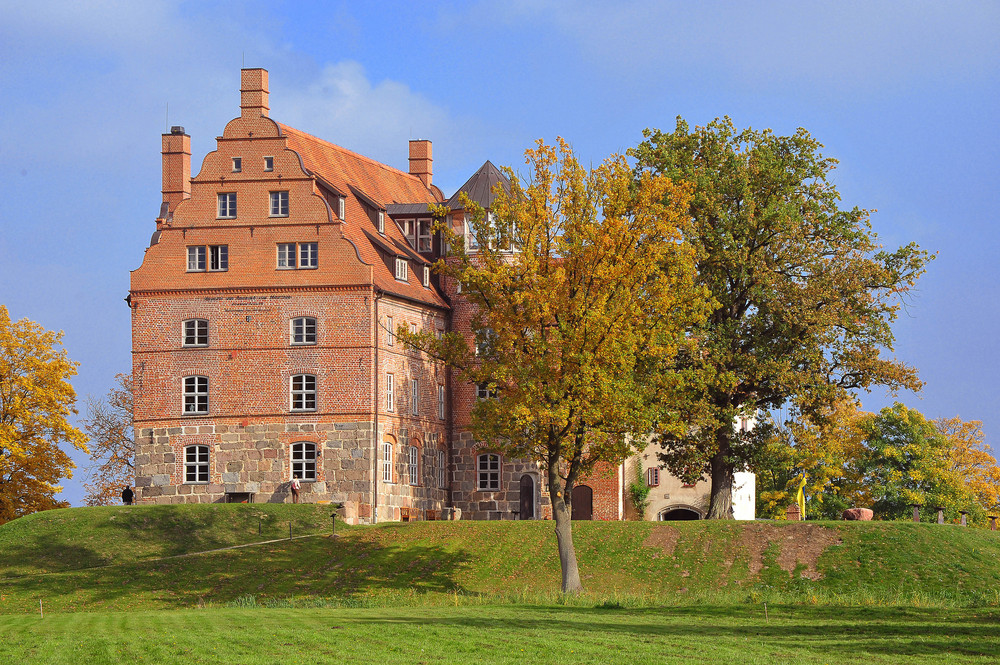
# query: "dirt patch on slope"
{"type": "Point", "coordinates": [663, 537]}
{"type": "Point", "coordinates": [797, 544]}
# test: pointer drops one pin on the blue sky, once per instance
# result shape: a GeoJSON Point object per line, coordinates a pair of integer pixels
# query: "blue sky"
{"type": "Point", "coordinates": [904, 94]}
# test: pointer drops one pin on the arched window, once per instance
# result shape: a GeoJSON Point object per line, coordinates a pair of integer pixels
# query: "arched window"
{"type": "Point", "coordinates": [488, 466]}
{"type": "Point", "coordinates": [303, 330]}
{"type": "Point", "coordinates": [442, 469]}
{"type": "Point", "coordinates": [304, 460]}
{"type": "Point", "coordinates": [196, 464]}
{"type": "Point", "coordinates": [195, 395]}
{"type": "Point", "coordinates": [413, 465]}
{"type": "Point", "coordinates": [303, 392]}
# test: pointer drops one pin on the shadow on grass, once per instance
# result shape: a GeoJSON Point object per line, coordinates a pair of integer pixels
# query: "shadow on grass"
{"type": "Point", "coordinates": [315, 566]}
{"type": "Point", "coordinates": [830, 631]}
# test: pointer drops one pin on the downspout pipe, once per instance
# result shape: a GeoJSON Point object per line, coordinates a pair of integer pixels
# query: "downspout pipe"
{"type": "Point", "coordinates": [376, 296]}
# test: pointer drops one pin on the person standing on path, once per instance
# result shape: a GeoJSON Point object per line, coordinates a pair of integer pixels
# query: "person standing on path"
{"type": "Point", "coordinates": [295, 489]}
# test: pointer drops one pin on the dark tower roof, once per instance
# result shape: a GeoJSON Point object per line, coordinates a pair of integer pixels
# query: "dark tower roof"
{"type": "Point", "coordinates": [480, 186]}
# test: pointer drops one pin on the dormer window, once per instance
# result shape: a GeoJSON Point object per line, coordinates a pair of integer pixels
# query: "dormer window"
{"type": "Point", "coordinates": [424, 235]}
{"type": "Point", "coordinates": [340, 208]}
{"type": "Point", "coordinates": [269, 163]}
{"type": "Point", "coordinates": [409, 227]}
{"type": "Point", "coordinates": [237, 164]}
{"type": "Point", "coordinates": [427, 276]}
{"type": "Point", "coordinates": [402, 270]}
{"type": "Point", "coordinates": [381, 221]}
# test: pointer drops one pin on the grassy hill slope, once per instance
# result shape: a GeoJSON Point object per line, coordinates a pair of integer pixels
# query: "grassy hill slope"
{"type": "Point", "coordinates": [459, 562]}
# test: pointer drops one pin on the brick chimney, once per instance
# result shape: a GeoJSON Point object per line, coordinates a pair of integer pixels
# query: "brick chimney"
{"type": "Point", "coordinates": [420, 160]}
{"type": "Point", "coordinates": [176, 167]}
{"type": "Point", "coordinates": [253, 93]}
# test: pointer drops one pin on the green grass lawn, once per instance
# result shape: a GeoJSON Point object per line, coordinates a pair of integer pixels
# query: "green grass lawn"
{"type": "Point", "coordinates": [509, 634]}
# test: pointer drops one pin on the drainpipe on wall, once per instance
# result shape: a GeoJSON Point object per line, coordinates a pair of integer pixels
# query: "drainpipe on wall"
{"type": "Point", "coordinates": [376, 295]}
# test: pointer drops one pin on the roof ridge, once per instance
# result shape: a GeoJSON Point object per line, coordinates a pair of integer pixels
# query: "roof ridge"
{"type": "Point", "coordinates": [349, 152]}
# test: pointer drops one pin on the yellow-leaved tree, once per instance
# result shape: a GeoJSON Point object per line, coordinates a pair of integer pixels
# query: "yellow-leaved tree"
{"type": "Point", "coordinates": [36, 401]}
{"type": "Point", "coordinates": [583, 288]}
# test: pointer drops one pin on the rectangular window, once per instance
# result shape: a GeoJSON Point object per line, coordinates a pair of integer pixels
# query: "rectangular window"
{"type": "Point", "coordinates": [381, 221]}
{"type": "Point", "coordinates": [485, 391]}
{"type": "Point", "coordinates": [237, 164]}
{"type": "Point", "coordinates": [424, 235]}
{"type": "Point", "coordinates": [308, 255]}
{"type": "Point", "coordinates": [279, 204]}
{"type": "Point", "coordinates": [196, 258]}
{"type": "Point", "coordinates": [286, 255]}
{"type": "Point", "coordinates": [471, 244]}
{"type": "Point", "coordinates": [195, 395]}
{"type": "Point", "coordinates": [387, 462]}
{"type": "Point", "coordinates": [218, 257]}
{"type": "Point", "coordinates": [304, 461]}
{"type": "Point", "coordinates": [390, 332]}
{"type": "Point", "coordinates": [442, 469]}
{"type": "Point", "coordinates": [390, 392]}
{"type": "Point", "coordinates": [303, 330]}
{"type": "Point", "coordinates": [196, 464]}
{"type": "Point", "coordinates": [409, 227]}
{"type": "Point", "coordinates": [414, 397]}
{"type": "Point", "coordinates": [303, 392]}
{"type": "Point", "coordinates": [653, 476]}
{"type": "Point", "coordinates": [340, 208]}
{"type": "Point", "coordinates": [413, 328]}
{"type": "Point", "coordinates": [402, 270]}
{"type": "Point", "coordinates": [413, 467]}
{"type": "Point", "coordinates": [196, 332]}
{"type": "Point", "coordinates": [427, 276]}
{"type": "Point", "coordinates": [440, 401]}
{"type": "Point", "coordinates": [489, 471]}
{"type": "Point", "coordinates": [269, 163]}
{"type": "Point", "coordinates": [227, 205]}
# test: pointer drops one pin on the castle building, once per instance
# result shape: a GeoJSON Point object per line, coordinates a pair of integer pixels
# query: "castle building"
{"type": "Point", "coordinates": [263, 336]}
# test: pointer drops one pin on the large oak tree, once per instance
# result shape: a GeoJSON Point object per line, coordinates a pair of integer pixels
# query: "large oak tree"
{"type": "Point", "coordinates": [804, 294]}
{"type": "Point", "coordinates": [582, 290]}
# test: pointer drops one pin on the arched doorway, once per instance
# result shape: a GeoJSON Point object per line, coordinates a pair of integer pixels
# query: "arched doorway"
{"type": "Point", "coordinates": [583, 503]}
{"type": "Point", "coordinates": [527, 507]}
{"type": "Point", "coordinates": [678, 513]}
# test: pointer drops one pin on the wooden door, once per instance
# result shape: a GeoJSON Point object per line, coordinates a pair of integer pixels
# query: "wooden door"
{"type": "Point", "coordinates": [527, 510]}
{"type": "Point", "coordinates": [583, 503]}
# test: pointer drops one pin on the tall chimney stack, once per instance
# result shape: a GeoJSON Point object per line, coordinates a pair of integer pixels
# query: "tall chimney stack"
{"type": "Point", "coordinates": [176, 167]}
{"type": "Point", "coordinates": [421, 163]}
{"type": "Point", "coordinates": [253, 93]}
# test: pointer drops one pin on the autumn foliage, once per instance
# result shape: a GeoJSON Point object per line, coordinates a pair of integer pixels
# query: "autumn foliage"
{"type": "Point", "coordinates": [36, 402]}
{"type": "Point", "coordinates": [112, 444]}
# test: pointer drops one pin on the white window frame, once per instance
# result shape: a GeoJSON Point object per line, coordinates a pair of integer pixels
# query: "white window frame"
{"type": "Point", "coordinates": [302, 390]}
{"type": "Point", "coordinates": [194, 393]}
{"type": "Point", "coordinates": [413, 465]}
{"type": "Point", "coordinates": [269, 163]}
{"type": "Point", "coordinates": [194, 332]}
{"type": "Point", "coordinates": [414, 397]}
{"type": "Point", "coordinates": [402, 269]}
{"type": "Point", "coordinates": [237, 164]}
{"type": "Point", "coordinates": [483, 391]}
{"type": "Point", "coordinates": [653, 476]}
{"type": "Point", "coordinates": [279, 203]}
{"type": "Point", "coordinates": [303, 456]}
{"type": "Point", "coordinates": [440, 401]}
{"type": "Point", "coordinates": [308, 255]}
{"type": "Point", "coordinates": [381, 221]}
{"type": "Point", "coordinates": [427, 277]}
{"type": "Point", "coordinates": [471, 244]}
{"type": "Point", "coordinates": [386, 462]}
{"type": "Point", "coordinates": [409, 229]}
{"type": "Point", "coordinates": [287, 256]}
{"type": "Point", "coordinates": [340, 208]}
{"type": "Point", "coordinates": [196, 258]}
{"type": "Point", "coordinates": [218, 258]}
{"type": "Point", "coordinates": [390, 392]}
{"type": "Point", "coordinates": [390, 332]}
{"type": "Point", "coordinates": [424, 239]}
{"type": "Point", "coordinates": [442, 469]}
{"type": "Point", "coordinates": [302, 331]}
{"type": "Point", "coordinates": [226, 205]}
{"type": "Point", "coordinates": [488, 468]}
{"type": "Point", "coordinates": [196, 465]}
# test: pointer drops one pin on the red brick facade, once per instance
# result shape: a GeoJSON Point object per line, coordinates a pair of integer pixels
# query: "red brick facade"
{"type": "Point", "coordinates": [261, 319]}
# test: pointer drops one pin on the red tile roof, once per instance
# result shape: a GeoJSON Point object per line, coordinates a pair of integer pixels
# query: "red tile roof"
{"type": "Point", "coordinates": [366, 181]}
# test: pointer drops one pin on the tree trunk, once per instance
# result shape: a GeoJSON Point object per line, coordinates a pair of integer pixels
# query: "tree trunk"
{"type": "Point", "coordinates": [721, 504]}
{"type": "Point", "coordinates": [564, 537]}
